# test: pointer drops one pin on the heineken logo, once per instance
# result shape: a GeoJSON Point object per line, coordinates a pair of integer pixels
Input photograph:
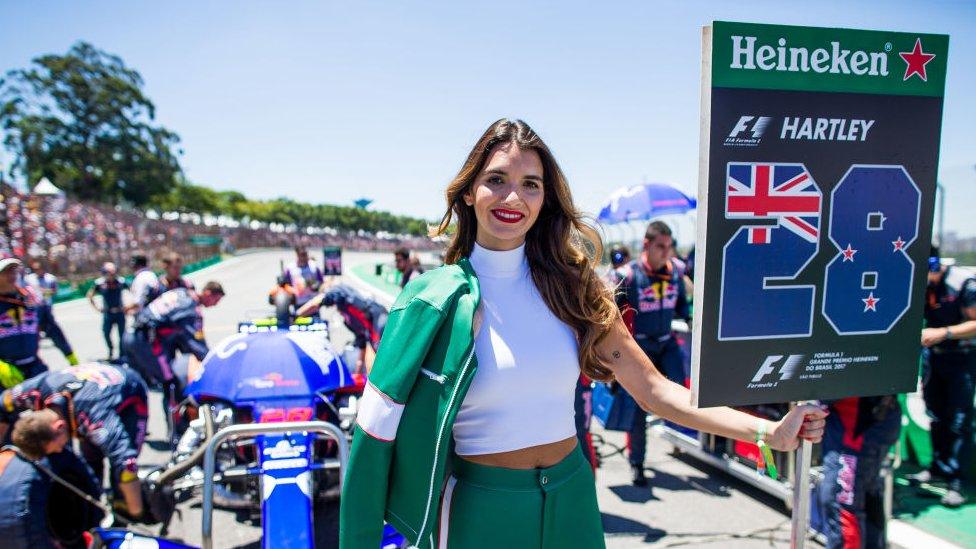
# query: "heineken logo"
{"type": "Point", "coordinates": [836, 59]}
{"type": "Point", "coordinates": [781, 57]}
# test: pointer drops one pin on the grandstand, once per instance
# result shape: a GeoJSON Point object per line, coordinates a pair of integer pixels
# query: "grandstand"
{"type": "Point", "coordinates": [77, 237]}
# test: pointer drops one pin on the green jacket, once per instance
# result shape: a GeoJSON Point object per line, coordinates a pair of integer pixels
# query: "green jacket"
{"type": "Point", "coordinates": [404, 429]}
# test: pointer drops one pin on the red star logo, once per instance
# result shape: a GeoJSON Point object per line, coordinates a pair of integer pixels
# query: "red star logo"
{"type": "Point", "coordinates": [916, 61]}
{"type": "Point", "coordinates": [870, 302]}
{"type": "Point", "coordinates": [898, 244]}
{"type": "Point", "coordinates": [849, 253]}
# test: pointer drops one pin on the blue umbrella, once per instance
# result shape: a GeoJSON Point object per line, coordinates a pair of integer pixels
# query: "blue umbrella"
{"type": "Point", "coordinates": [268, 365]}
{"type": "Point", "coordinates": [645, 201]}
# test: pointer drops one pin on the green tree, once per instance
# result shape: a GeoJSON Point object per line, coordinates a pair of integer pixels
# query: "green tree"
{"type": "Point", "coordinates": [82, 120]}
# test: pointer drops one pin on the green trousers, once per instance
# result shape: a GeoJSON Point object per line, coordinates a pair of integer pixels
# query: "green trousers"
{"type": "Point", "coordinates": [495, 507]}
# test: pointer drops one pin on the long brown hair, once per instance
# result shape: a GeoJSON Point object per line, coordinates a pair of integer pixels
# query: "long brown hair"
{"type": "Point", "coordinates": [560, 247]}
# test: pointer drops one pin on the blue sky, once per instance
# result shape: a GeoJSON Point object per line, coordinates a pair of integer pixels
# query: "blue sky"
{"type": "Point", "coordinates": [331, 101]}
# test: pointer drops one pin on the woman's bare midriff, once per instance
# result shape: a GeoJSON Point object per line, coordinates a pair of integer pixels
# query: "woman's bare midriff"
{"type": "Point", "coordinates": [534, 457]}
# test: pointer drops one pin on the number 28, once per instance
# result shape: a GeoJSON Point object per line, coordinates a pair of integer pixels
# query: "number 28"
{"type": "Point", "coordinates": [874, 217]}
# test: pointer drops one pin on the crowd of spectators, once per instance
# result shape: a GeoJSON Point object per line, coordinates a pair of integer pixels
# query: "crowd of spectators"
{"type": "Point", "coordinates": [77, 237]}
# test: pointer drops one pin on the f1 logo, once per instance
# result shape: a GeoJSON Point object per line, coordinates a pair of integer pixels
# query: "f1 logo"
{"type": "Point", "coordinates": [757, 128]}
{"type": "Point", "coordinates": [786, 371]}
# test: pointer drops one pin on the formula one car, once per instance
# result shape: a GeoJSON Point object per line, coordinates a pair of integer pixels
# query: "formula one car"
{"type": "Point", "coordinates": [270, 413]}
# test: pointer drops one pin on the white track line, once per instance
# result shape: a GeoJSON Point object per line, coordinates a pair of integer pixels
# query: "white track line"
{"type": "Point", "coordinates": [906, 535]}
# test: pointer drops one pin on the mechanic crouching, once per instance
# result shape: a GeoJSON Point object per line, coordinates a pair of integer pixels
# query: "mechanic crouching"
{"type": "Point", "coordinates": [38, 511]}
{"type": "Point", "coordinates": [858, 436]}
{"type": "Point", "coordinates": [172, 322]}
{"type": "Point", "coordinates": [105, 408]}
{"type": "Point", "coordinates": [363, 316]}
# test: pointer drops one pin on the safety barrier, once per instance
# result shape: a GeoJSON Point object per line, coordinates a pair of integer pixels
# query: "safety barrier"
{"type": "Point", "coordinates": [381, 276]}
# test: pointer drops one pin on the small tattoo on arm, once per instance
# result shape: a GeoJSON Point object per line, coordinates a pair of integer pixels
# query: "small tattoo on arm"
{"type": "Point", "coordinates": [616, 354]}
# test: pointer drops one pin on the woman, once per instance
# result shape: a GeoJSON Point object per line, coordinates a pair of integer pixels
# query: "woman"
{"type": "Point", "coordinates": [465, 436]}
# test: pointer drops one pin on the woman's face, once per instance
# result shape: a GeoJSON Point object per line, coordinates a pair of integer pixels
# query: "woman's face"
{"type": "Point", "coordinates": [507, 197]}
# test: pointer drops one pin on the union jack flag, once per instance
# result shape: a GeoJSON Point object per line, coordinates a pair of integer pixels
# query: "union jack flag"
{"type": "Point", "coordinates": [784, 192]}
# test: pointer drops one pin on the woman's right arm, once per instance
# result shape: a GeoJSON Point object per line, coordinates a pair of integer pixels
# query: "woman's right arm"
{"type": "Point", "coordinates": [656, 394]}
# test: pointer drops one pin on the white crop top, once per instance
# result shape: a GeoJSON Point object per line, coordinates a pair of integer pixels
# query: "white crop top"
{"type": "Point", "coordinates": [522, 394]}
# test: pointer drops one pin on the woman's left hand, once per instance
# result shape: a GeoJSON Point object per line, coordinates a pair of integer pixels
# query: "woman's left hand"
{"type": "Point", "coordinates": [804, 422]}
